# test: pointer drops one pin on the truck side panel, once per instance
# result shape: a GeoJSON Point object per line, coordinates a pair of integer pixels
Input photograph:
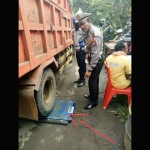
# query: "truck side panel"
{"type": "Point", "coordinates": [44, 31]}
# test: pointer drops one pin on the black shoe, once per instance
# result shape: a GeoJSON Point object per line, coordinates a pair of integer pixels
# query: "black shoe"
{"type": "Point", "coordinates": [89, 106]}
{"type": "Point", "coordinates": [81, 83]}
{"type": "Point", "coordinates": [87, 96]}
{"type": "Point", "coordinates": [77, 81]}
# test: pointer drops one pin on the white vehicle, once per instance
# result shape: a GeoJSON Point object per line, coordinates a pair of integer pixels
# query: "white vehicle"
{"type": "Point", "coordinates": [127, 37]}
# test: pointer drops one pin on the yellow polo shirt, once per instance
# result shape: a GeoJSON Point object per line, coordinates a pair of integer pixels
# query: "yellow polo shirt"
{"type": "Point", "coordinates": [119, 66]}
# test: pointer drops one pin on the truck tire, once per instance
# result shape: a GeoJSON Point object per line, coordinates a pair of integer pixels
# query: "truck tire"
{"type": "Point", "coordinates": [45, 97]}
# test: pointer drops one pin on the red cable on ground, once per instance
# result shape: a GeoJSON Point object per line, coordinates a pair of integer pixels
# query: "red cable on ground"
{"type": "Point", "coordinates": [78, 114]}
{"type": "Point", "coordinates": [73, 120]}
{"type": "Point", "coordinates": [97, 131]}
{"type": "Point", "coordinates": [70, 115]}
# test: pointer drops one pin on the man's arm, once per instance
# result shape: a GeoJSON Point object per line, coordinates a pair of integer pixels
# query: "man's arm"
{"type": "Point", "coordinates": [73, 42]}
{"type": "Point", "coordinates": [128, 70]}
{"type": "Point", "coordinates": [115, 38]}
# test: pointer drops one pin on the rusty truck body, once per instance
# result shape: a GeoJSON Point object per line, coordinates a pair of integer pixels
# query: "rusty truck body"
{"type": "Point", "coordinates": [45, 45]}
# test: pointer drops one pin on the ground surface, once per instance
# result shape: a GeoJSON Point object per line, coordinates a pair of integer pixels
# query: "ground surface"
{"type": "Point", "coordinates": [46, 136]}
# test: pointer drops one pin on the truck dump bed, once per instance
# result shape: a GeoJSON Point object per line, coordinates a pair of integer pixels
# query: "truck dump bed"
{"type": "Point", "coordinates": [44, 31]}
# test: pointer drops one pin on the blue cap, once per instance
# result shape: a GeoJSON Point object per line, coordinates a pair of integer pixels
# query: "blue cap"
{"type": "Point", "coordinates": [107, 22]}
{"type": "Point", "coordinates": [74, 20]}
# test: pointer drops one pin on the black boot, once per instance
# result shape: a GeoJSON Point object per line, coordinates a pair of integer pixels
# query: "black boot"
{"type": "Point", "coordinates": [89, 106]}
{"type": "Point", "coordinates": [77, 81]}
{"type": "Point", "coordinates": [82, 82]}
{"type": "Point", "coordinates": [87, 96]}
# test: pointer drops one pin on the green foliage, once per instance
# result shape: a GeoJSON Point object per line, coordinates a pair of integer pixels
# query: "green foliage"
{"type": "Point", "coordinates": [122, 108]}
{"type": "Point", "coordinates": [122, 113]}
{"type": "Point", "coordinates": [122, 100]}
{"type": "Point", "coordinates": [116, 11]}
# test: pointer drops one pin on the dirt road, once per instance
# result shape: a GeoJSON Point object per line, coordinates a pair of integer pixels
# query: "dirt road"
{"type": "Point", "coordinates": [45, 136]}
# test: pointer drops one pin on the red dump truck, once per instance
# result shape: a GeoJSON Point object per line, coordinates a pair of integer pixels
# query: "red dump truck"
{"type": "Point", "coordinates": [45, 45]}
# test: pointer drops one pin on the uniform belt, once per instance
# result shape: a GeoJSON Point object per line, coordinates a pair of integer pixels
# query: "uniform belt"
{"type": "Point", "coordinates": [99, 59]}
{"type": "Point", "coordinates": [81, 48]}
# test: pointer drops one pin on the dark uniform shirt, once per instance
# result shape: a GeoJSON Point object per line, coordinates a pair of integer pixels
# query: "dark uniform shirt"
{"type": "Point", "coordinates": [79, 39]}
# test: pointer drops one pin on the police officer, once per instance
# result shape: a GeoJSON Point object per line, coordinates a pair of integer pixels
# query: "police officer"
{"type": "Point", "coordinates": [102, 21]}
{"type": "Point", "coordinates": [106, 31]}
{"type": "Point", "coordinates": [106, 25]}
{"type": "Point", "coordinates": [94, 48]}
{"type": "Point", "coordinates": [79, 46]}
{"type": "Point", "coordinates": [119, 35]}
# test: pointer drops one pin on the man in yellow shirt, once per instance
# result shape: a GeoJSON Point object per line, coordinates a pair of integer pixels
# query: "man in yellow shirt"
{"type": "Point", "coordinates": [120, 66]}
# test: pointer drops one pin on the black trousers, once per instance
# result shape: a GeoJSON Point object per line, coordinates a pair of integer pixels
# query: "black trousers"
{"type": "Point", "coordinates": [80, 55]}
{"type": "Point", "coordinates": [93, 82]}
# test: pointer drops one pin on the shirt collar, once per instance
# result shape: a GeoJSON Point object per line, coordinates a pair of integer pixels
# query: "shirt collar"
{"type": "Point", "coordinates": [119, 53]}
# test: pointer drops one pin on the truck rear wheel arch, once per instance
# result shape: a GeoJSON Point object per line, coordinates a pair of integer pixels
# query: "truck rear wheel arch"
{"type": "Point", "coordinates": [34, 79]}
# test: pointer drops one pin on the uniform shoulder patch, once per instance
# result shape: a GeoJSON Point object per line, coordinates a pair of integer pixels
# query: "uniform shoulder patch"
{"type": "Point", "coordinates": [92, 33]}
{"type": "Point", "coordinates": [94, 39]}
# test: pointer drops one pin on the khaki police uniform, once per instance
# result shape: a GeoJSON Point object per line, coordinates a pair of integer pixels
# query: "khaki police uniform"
{"type": "Point", "coordinates": [94, 49]}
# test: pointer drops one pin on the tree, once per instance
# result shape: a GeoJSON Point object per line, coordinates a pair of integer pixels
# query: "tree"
{"type": "Point", "coordinates": [116, 11]}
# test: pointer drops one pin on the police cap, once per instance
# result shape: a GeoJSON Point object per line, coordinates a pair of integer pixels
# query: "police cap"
{"type": "Point", "coordinates": [119, 31]}
{"type": "Point", "coordinates": [83, 16]}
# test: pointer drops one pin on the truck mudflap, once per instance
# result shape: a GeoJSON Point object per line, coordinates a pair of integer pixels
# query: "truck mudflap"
{"type": "Point", "coordinates": [27, 104]}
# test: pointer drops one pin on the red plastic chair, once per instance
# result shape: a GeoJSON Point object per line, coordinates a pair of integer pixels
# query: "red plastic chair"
{"type": "Point", "coordinates": [111, 91]}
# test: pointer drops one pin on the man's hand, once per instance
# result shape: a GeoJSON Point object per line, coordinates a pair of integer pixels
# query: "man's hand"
{"type": "Point", "coordinates": [86, 56]}
{"type": "Point", "coordinates": [128, 76]}
{"type": "Point", "coordinates": [87, 74]}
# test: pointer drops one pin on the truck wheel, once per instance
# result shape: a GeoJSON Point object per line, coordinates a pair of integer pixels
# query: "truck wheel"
{"type": "Point", "coordinates": [45, 97]}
